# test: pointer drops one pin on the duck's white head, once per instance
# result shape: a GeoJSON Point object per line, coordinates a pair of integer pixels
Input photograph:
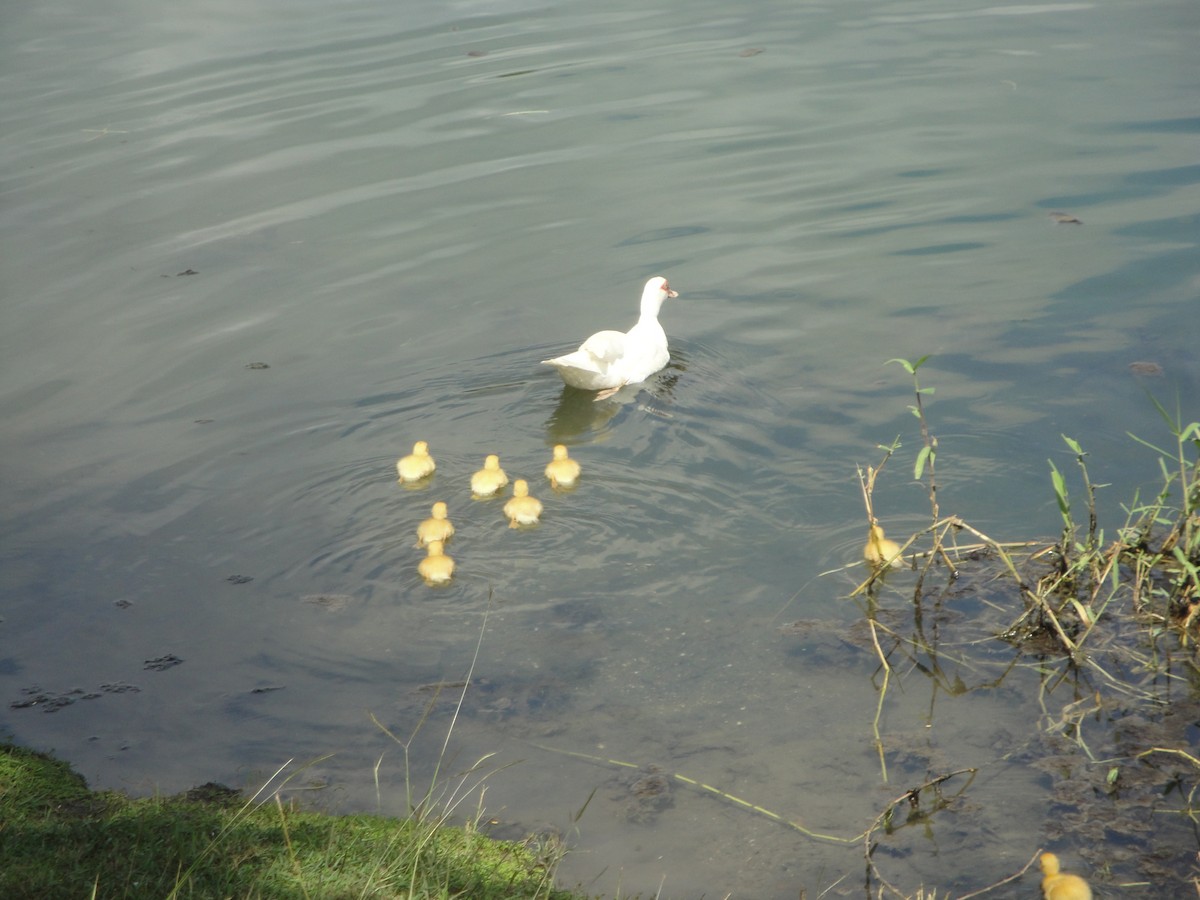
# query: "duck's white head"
{"type": "Point", "coordinates": [658, 285]}
{"type": "Point", "coordinates": [655, 294]}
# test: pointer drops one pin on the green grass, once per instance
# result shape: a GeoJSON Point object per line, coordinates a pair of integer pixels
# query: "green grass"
{"type": "Point", "coordinates": [60, 839]}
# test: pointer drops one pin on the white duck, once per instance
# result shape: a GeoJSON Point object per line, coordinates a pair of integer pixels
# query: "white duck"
{"type": "Point", "coordinates": [609, 360]}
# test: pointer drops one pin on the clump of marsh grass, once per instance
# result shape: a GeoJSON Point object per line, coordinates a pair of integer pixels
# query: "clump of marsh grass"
{"type": "Point", "coordinates": [1114, 616]}
{"type": "Point", "coordinates": [1152, 566]}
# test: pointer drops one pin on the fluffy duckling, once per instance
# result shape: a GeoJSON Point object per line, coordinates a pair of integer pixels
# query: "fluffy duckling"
{"type": "Point", "coordinates": [437, 567]}
{"type": "Point", "coordinates": [417, 465]}
{"type": "Point", "coordinates": [488, 480]}
{"type": "Point", "coordinates": [437, 528]}
{"type": "Point", "coordinates": [522, 509]}
{"type": "Point", "coordinates": [562, 470]}
{"type": "Point", "coordinates": [879, 552]}
{"type": "Point", "coordinates": [1058, 886]}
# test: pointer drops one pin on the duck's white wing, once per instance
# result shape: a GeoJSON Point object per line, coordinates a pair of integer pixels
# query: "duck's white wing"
{"type": "Point", "coordinates": [591, 367]}
{"type": "Point", "coordinates": [606, 347]}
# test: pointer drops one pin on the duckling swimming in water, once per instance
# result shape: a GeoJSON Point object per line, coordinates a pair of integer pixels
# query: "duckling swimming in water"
{"type": "Point", "coordinates": [437, 528]}
{"type": "Point", "coordinates": [488, 480]}
{"type": "Point", "coordinates": [437, 567]}
{"type": "Point", "coordinates": [879, 552]}
{"type": "Point", "coordinates": [562, 470]}
{"type": "Point", "coordinates": [522, 509]}
{"type": "Point", "coordinates": [1059, 886]}
{"type": "Point", "coordinates": [416, 465]}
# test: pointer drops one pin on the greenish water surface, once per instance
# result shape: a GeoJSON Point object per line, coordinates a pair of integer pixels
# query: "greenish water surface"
{"type": "Point", "coordinates": [400, 210]}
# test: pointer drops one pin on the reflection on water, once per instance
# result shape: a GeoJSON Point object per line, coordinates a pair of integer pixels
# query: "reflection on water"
{"type": "Point", "coordinates": [400, 217]}
{"type": "Point", "coordinates": [580, 417]}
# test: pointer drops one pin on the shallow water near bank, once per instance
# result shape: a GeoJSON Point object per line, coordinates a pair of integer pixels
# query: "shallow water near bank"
{"type": "Point", "coordinates": [399, 213]}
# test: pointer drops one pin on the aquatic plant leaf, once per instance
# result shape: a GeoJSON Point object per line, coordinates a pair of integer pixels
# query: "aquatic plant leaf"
{"type": "Point", "coordinates": [1060, 491]}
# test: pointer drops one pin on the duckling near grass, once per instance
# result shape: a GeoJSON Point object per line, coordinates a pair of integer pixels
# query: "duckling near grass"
{"type": "Point", "coordinates": [879, 552]}
{"type": "Point", "coordinates": [1059, 886]}
{"type": "Point", "coordinates": [488, 480]}
{"type": "Point", "coordinates": [417, 465]}
{"type": "Point", "coordinates": [437, 528]}
{"type": "Point", "coordinates": [522, 509]}
{"type": "Point", "coordinates": [562, 470]}
{"type": "Point", "coordinates": [437, 567]}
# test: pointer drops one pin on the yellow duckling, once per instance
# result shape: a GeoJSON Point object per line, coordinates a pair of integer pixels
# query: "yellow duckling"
{"type": "Point", "coordinates": [562, 470]}
{"type": "Point", "coordinates": [489, 479]}
{"type": "Point", "coordinates": [437, 528]}
{"type": "Point", "coordinates": [522, 509]}
{"type": "Point", "coordinates": [1057, 886]}
{"type": "Point", "coordinates": [437, 567]}
{"type": "Point", "coordinates": [416, 465]}
{"type": "Point", "coordinates": [879, 552]}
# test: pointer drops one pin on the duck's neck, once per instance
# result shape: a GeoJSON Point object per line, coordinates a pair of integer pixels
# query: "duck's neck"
{"type": "Point", "coordinates": [652, 301]}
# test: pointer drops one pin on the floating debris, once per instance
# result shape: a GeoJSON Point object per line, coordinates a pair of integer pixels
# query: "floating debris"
{"type": "Point", "coordinates": [162, 663]}
{"type": "Point", "coordinates": [239, 579]}
{"type": "Point", "coordinates": [802, 627]}
{"type": "Point", "coordinates": [119, 687]}
{"type": "Point", "coordinates": [1149, 369]}
{"type": "Point", "coordinates": [213, 793]}
{"type": "Point", "coordinates": [648, 795]}
{"type": "Point", "coordinates": [1063, 218]}
{"type": "Point", "coordinates": [330, 602]}
{"type": "Point", "coordinates": [49, 701]}
{"type": "Point", "coordinates": [751, 51]}
{"type": "Point", "coordinates": [187, 272]}
{"type": "Point", "coordinates": [257, 365]}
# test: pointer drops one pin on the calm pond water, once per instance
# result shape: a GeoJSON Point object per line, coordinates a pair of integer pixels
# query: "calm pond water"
{"type": "Point", "coordinates": [208, 567]}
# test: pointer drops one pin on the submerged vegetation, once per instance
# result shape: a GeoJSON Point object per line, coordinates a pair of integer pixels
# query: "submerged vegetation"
{"type": "Point", "coordinates": [1109, 626]}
